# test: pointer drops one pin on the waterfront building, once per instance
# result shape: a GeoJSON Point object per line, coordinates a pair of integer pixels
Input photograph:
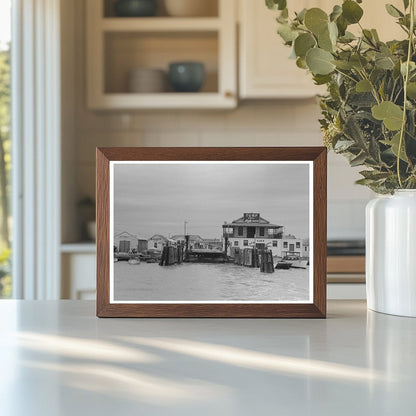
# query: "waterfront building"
{"type": "Point", "coordinates": [291, 246]}
{"type": "Point", "coordinates": [157, 242]}
{"type": "Point", "coordinates": [124, 242]}
{"type": "Point", "coordinates": [251, 230]}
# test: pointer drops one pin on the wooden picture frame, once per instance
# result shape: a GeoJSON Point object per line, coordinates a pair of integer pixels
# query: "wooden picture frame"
{"type": "Point", "coordinates": [109, 159]}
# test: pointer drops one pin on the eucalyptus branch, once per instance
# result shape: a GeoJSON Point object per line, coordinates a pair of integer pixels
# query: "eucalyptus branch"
{"type": "Point", "coordinates": [406, 80]}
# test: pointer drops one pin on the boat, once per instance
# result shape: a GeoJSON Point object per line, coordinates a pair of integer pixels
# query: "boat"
{"type": "Point", "coordinates": [300, 264]}
{"type": "Point", "coordinates": [294, 262]}
{"type": "Point", "coordinates": [283, 264]}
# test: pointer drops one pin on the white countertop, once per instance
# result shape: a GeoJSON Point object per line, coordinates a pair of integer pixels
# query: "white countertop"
{"type": "Point", "coordinates": [57, 358]}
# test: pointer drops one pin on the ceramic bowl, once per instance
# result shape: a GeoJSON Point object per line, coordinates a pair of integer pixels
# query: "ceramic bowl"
{"type": "Point", "coordinates": [186, 76]}
{"type": "Point", "coordinates": [135, 8]}
{"type": "Point", "coordinates": [191, 8]}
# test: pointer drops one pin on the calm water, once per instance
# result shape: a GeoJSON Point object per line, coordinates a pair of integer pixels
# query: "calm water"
{"type": "Point", "coordinates": [207, 282]}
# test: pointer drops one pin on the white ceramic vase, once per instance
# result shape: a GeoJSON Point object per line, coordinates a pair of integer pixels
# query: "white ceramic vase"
{"type": "Point", "coordinates": [391, 253]}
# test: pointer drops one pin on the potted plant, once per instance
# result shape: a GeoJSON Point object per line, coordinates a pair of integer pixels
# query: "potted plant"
{"type": "Point", "coordinates": [368, 116]}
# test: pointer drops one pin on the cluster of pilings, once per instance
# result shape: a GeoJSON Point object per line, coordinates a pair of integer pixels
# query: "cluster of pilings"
{"type": "Point", "coordinates": [253, 257]}
{"type": "Point", "coordinates": [172, 255]}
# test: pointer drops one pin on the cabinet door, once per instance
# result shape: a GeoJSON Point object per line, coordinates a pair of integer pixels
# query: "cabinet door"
{"type": "Point", "coordinates": [265, 68]}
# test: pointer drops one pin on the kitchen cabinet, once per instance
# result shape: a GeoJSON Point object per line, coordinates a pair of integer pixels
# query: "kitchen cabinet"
{"type": "Point", "coordinates": [118, 45]}
{"type": "Point", "coordinates": [265, 70]}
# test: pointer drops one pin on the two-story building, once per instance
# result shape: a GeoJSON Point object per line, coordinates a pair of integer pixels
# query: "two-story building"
{"type": "Point", "coordinates": [251, 230]}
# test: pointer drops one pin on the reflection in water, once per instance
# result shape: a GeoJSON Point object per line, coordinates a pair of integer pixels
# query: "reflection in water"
{"type": "Point", "coordinates": [207, 282]}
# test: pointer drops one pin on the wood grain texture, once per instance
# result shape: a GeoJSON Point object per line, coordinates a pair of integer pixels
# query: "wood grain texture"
{"type": "Point", "coordinates": [317, 309]}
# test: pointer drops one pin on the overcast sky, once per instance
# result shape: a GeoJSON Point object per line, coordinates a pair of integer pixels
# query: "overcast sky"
{"type": "Point", "coordinates": [158, 198]}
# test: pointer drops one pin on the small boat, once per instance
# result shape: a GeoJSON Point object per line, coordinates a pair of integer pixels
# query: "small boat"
{"type": "Point", "coordinates": [283, 264]}
{"type": "Point", "coordinates": [300, 264]}
{"type": "Point", "coordinates": [294, 262]}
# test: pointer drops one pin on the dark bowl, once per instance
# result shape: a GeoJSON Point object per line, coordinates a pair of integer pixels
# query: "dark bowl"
{"type": "Point", "coordinates": [187, 76]}
{"type": "Point", "coordinates": [135, 8]}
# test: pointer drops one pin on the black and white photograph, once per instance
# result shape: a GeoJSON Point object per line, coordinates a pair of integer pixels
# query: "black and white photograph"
{"type": "Point", "coordinates": [211, 232]}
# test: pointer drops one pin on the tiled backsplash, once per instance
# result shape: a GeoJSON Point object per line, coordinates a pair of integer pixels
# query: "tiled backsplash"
{"type": "Point", "coordinates": [271, 123]}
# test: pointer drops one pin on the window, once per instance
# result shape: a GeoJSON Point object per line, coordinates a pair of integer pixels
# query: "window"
{"type": "Point", "coordinates": [274, 243]}
{"type": "Point", "coordinates": [261, 232]}
{"type": "Point", "coordinates": [5, 145]}
{"type": "Point", "coordinates": [285, 244]}
{"type": "Point", "coordinates": [235, 243]}
{"type": "Point", "coordinates": [245, 243]}
{"type": "Point", "coordinates": [297, 245]}
{"type": "Point", "coordinates": [240, 231]}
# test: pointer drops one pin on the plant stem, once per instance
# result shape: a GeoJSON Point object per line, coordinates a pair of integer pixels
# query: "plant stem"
{"type": "Point", "coordinates": [406, 80]}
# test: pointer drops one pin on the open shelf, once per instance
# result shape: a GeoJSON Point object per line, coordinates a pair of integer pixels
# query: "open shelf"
{"type": "Point", "coordinates": [160, 24]}
{"type": "Point", "coordinates": [127, 51]}
{"type": "Point", "coordinates": [211, 9]}
{"type": "Point", "coordinates": [118, 45]}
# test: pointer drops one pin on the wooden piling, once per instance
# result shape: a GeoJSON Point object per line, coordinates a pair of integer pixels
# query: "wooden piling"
{"type": "Point", "coordinates": [266, 265]}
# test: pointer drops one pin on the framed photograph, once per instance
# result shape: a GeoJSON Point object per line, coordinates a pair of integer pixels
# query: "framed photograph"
{"type": "Point", "coordinates": [211, 232]}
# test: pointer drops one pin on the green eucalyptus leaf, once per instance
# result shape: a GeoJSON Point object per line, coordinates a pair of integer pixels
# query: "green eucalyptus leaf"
{"type": "Point", "coordinates": [358, 160]}
{"type": "Point", "coordinates": [276, 4]}
{"type": "Point", "coordinates": [344, 65]}
{"type": "Point", "coordinates": [287, 33]}
{"type": "Point", "coordinates": [342, 25]}
{"type": "Point", "coordinates": [316, 20]}
{"type": "Point", "coordinates": [321, 79]}
{"type": "Point", "coordinates": [358, 61]}
{"type": "Point", "coordinates": [333, 32]}
{"type": "Point", "coordinates": [320, 61]}
{"type": "Point", "coordinates": [336, 12]}
{"type": "Point", "coordinates": [343, 145]}
{"type": "Point", "coordinates": [368, 36]}
{"type": "Point", "coordinates": [347, 37]}
{"type": "Point", "coordinates": [363, 86]}
{"type": "Point", "coordinates": [394, 146]}
{"type": "Point", "coordinates": [388, 112]}
{"type": "Point", "coordinates": [374, 174]}
{"type": "Point", "coordinates": [325, 42]}
{"type": "Point", "coordinates": [301, 15]}
{"type": "Point", "coordinates": [393, 11]}
{"type": "Point", "coordinates": [301, 63]}
{"type": "Point", "coordinates": [375, 35]}
{"type": "Point", "coordinates": [303, 43]}
{"type": "Point", "coordinates": [384, 62]}
{"type": "Point", "coordinates": [411, 90]}
{"type": "Point", "coordinates": [351, 11]}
